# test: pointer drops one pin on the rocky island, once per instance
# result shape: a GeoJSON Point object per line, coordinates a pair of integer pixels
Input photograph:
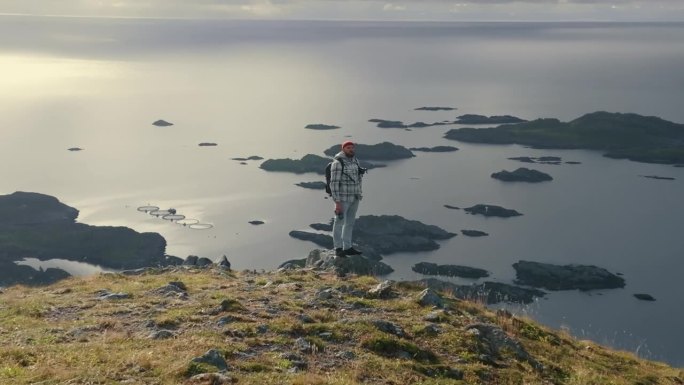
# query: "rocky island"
{"type": "Point", "coordinates": [382, 123]}
{"type": "Point", "coordinates": [435, 149]}
{"type": "Point", "coordinates": [308, 163]}
{"type": "Point", "coordinates": [39, 226]}
{"type": "Point", "coordinates": [379, 151]}
{"type": "Point", "coordinates": [491, 211]}
{"type": "Point", "coordinates": [321, 127]}
{"type": "Point", "coordinates": [567, 277]}
{"type": "Point", "coordinates": [318, 185]}
{"type": "Point", "coordinates": [162, 123]}
{"type": "Point", "coordinates": [555, 160]}
{"type": "Point", "coordinates": [435, 109]}
{"type": "Point", "coordinates": [429, 268]}
{"type": "Point", "coordinates": [474, 233]}
{"type": "Point", "coordinates": [482, 119]}
{"type": "Point", "coordinates": [522, 174]}
{"type": "Point", "coordinates": [622, 136]}
{"type": "Point", "coordinates": [253, 157]}
{"type": "Point", "coordinates": [383, 234]}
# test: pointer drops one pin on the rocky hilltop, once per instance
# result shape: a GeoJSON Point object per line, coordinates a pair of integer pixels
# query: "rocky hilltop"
{"type": "Point", "coordinates": [191, 325]}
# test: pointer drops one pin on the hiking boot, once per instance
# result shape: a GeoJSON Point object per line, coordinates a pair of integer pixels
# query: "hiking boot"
{"type": "Point", "coordinates": [340, 253]}
{"type": "Point", "coordinates": [352, 251]}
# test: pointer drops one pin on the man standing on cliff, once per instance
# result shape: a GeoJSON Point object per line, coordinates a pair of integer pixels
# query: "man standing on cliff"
{"type": "Point", "coordinates": [345, 187]}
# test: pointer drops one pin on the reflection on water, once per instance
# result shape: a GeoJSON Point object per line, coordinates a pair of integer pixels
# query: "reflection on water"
{"type": "Point", "coordinates": [72, 267]}
{"type": "Point", "coordinates": [252, 87]}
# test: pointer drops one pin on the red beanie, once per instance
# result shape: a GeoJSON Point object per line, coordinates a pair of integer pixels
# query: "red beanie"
{"type": "Point", "coordinates": [347, 143]}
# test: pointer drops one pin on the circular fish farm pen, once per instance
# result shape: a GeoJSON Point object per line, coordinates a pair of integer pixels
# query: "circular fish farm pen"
{"type": "Point", "coordinates": [201, 226]}
{"type": "Point", "coordinates": [148, 209]}
{"type": "Point", "coordinates": [171, 216]}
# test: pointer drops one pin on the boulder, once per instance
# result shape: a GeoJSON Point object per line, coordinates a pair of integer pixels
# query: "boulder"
{"type": "Point", "coordinates": [389, 327]}
{"type": "Point", "coordinates": [429, 297]}
{"type": "Point", "coordinates": [214, 358]}
{"type": "Point", "coordinates": [357, 264]}
{"type": "Point", "coordinates": [224, 263]}
{"type": "Point", "coordinates": [383, 290]}
{"type": "Point", "coordinates": [191, 260]}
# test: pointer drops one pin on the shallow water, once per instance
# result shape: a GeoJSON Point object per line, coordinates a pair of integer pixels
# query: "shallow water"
{"type": "Point", "coordinates": [251, 87]}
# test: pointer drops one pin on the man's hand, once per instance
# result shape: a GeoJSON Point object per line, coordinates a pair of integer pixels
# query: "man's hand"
{"type": "Point", "coordinates": [338, 208]}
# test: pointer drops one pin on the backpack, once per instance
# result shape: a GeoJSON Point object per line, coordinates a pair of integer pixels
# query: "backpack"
{"type": "Point", "coordinates": [327, 174]}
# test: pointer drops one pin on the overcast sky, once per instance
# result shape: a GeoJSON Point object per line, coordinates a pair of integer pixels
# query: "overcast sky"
{"type": "Point", "coordinates": [469, 10]}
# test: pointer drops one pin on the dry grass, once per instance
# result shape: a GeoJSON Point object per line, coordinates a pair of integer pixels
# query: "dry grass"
{"type": "Point", "coordinates": [63, 334]}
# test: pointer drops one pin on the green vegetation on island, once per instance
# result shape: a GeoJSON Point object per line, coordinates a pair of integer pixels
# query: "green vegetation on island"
{"type": "Point", "coordinates": [378, 151]}
{"type": "Point", "coordinates": [622, 136]}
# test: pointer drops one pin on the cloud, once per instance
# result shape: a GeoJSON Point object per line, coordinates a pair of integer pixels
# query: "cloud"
{"type": "Point", "coordinates": [393, 7]}
{"type": "Point", "coordinates": [359, 9]}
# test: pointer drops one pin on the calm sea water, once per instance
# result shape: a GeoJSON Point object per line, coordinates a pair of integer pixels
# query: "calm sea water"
{"type": "Point", "coordinates": [251, 87]}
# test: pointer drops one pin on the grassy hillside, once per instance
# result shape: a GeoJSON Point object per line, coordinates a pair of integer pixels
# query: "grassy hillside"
{"type": "Point", "coordinates": [292, 327]}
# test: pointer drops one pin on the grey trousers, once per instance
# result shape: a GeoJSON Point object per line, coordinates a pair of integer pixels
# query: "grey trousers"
{"type": "Point", "coordinates": [343, 228]}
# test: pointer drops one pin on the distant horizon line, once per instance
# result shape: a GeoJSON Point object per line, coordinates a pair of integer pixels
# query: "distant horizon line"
{"type": "Point", "coordinates": [180, 18]}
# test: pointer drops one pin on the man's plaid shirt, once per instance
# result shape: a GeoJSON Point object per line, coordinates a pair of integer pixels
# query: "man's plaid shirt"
{"type": "Point", "coordinates": [345, 185]}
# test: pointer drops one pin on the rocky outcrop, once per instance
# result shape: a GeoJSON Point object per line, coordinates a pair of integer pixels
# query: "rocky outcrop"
{"type": "Point", "coordinates": [492, 211]}
{"type": "Point", "coordinates": [498, 341]}
{"type": "Point", "coordinates": [567, 277]}
{"type": "Point", "coordinates": [326, 260]}
{"type": "Point", "coordinates": [487, 292]}
{"type": "Point", "coordinates": [428, 268]}
{"type": "Point", "coordinates": [379, 151]}
{"type": "Point", "coordinates": [522, 175]}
